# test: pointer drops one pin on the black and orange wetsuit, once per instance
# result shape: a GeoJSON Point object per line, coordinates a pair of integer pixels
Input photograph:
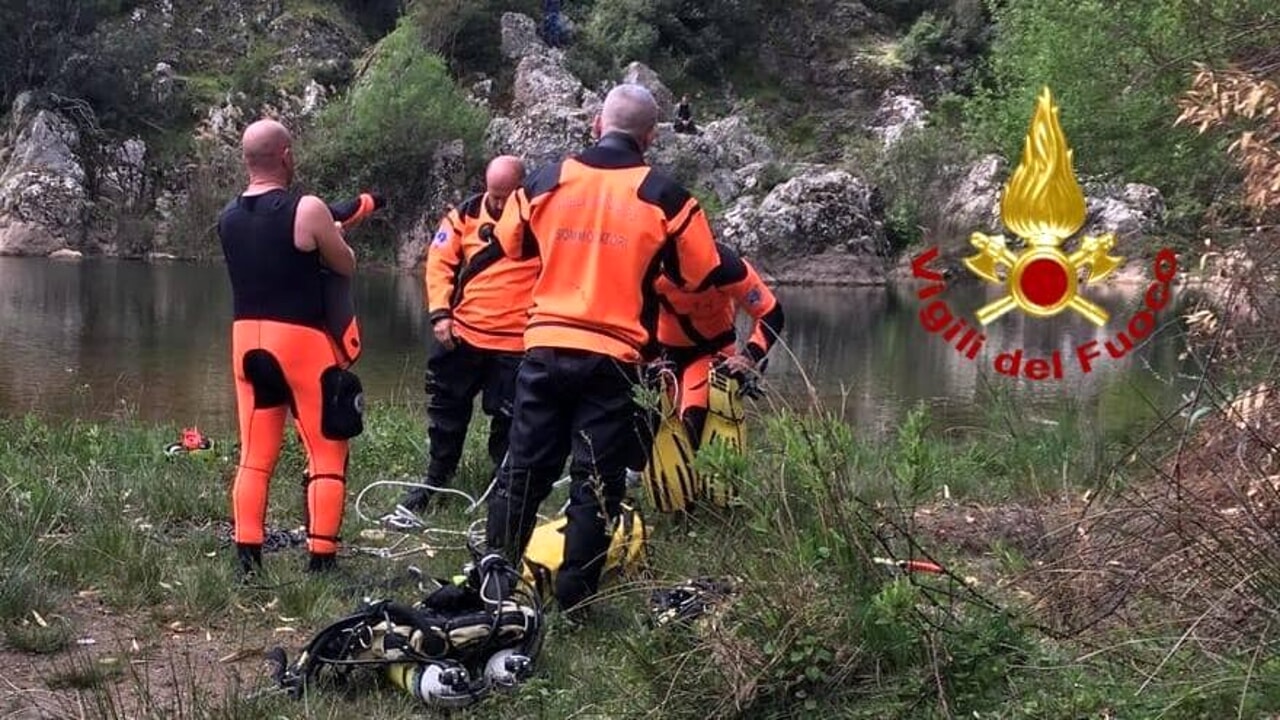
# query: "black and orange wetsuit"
{"type": "Point", "coordinates": [694, 327]}
{"type": "Point", "coordinates": [280, 349]}
{"type": "Point", "coordinates": [470, 281]}
{"type": "Point", "coordinates": [603, 224]}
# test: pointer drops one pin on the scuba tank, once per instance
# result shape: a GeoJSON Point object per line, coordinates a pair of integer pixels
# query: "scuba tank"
{"type": "Point", "coordinates": [445, 685]}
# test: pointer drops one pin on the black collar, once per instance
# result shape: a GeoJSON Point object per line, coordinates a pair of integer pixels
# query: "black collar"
{"type": "Point", "coordinates": [617, 140]}
{"type": "Point", "coordinates": [614, 150]}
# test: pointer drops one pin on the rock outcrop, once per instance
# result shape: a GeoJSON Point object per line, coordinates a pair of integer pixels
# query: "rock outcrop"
{"type": "Point", "coordinates": [1127, 210]}
{"type": "Point", "coordinates": [43, 201]}
{"type": "Point", "coordinates": [640, 74]}
{"type": "Point", "coordinates": [548, 116]}
{"type": "Point", "coordinates": [447, 170]}
{"type": "Point", "coordinates": [823, 227]}
{"type": "Point", "coordinates": [724, 158]}
{"type": "Point", "coordinates": [895, 116]}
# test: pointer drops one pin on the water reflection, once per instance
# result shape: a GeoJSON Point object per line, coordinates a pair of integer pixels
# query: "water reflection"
{"type": "Point", "coordinates": [94, 338]}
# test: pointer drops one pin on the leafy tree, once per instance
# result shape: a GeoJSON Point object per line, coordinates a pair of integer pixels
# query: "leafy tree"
{"type": "Point", "coordinates": [384, 132]}
{"type": "Point", "coordinates": [1115, 70]}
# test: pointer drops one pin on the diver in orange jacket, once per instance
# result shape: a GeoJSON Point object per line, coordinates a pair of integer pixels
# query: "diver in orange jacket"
{"type": "Point", "coordinates": [478, 300]}
{"type": "Point", "coordinates": [278, 245]}
{"type": "Point", "coordinates": [695, 328]}
{"type": "Point", "coordinates": [603, 224]}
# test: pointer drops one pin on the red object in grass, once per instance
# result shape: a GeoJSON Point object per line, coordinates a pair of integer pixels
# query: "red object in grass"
{"type": "Point", "coordinates": [192, 439]}
{"type": "Point", "coordinates": [921, 566]}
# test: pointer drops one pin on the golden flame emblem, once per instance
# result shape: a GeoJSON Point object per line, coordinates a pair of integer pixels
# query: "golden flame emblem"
{"type": "Point", "coordinates": [1044, 206]}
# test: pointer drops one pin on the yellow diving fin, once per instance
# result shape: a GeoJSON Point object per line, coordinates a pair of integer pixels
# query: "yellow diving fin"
{"type": "Point", "coordinates": [669, 477]}
{"type": "Point", "coordinates": [726, 423]}
{"type": "Point", "coordinates": [628, 552]}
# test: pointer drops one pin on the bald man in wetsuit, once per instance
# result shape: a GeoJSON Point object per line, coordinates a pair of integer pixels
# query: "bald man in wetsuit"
{"type": "Point", "coordinates": [604, 224]}
{"type": "Point", "coordinates": [478, 303]}
{"type": "Point", "coordinates": [277, 244]}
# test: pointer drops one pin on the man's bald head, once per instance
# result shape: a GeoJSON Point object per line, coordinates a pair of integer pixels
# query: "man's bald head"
{"type": "Point", "coordinates": [266, 147]}
{"type": "Point", "coordinates": [629, 109]}
{"type": "Point", "coordinates": [501, 178]}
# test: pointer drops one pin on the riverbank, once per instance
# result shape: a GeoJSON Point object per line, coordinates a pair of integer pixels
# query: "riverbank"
{"type": "Point", "coordinates": [834, 270]}
{"type": "Point", "coordinates": [119, 590]}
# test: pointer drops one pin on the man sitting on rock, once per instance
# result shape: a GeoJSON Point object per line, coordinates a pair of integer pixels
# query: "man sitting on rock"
{"type": "Point", "coordinates": [684, 117]}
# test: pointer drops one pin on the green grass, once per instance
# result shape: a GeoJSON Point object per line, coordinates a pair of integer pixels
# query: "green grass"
{"type": "Point", "coordinates": [818, 630]}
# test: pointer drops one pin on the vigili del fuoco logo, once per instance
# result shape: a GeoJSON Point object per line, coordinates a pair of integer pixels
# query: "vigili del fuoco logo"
{"type": "Point", "coordinates": [1044, 207]}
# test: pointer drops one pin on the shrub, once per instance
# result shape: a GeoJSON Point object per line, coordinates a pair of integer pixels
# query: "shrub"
{"type": "Point", "coordinates": [1115, 69]}
{"type": "Point", "coordinates": [684, 37]}
{"type": "Point", "coordinates": [383, 133]}
{"type": "Point", "coordinates": [468, 32]}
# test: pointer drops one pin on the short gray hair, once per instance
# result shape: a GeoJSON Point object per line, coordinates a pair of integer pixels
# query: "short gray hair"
{"type": "Point", "coordinates": [631, 109]}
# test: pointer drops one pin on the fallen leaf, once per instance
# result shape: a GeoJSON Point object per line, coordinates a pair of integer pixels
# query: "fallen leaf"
{"type": "Point", "coordinates": [240, 655]}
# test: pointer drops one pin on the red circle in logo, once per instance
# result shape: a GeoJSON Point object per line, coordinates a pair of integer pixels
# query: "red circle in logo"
{"type": "Point", "coordinates": [1044, 282]}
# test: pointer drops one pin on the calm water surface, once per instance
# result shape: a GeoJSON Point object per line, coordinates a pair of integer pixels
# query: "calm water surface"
{"type": "Point", "coordinates": [102, 338]}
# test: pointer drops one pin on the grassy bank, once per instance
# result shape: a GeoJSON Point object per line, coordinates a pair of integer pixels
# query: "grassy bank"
{"type": "Point", "coordinates": [103, 537]}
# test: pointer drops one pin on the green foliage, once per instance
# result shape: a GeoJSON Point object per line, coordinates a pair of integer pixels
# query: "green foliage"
{"type": "Point", "coordinates": [951, 37]}
{"type": "Point", "coordinates": [383, 133]}
{"type": "Point", "coordinates": [375, 17]}
{"type": "Point", "coordinates": [916, 175]}
{"type": "Point", "coordinates": [1115, 70]}
{"type": "Point", "coordinates": [468, 32]}
{"type": "Point", "coordinates": [690, 39]}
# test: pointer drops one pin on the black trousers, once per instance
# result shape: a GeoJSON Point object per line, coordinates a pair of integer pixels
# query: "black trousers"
{"type": "Point", "coordinates": [454, 378]}
{"type": "Point", "coordinates": [579, 404]}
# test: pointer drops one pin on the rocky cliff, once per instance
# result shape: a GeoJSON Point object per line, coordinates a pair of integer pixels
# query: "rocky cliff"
{"type": "Point", "coordinates": [67, 185]}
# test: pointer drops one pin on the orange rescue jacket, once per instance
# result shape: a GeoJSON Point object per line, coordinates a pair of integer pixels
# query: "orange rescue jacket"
{"type": "Point", "coordinates": [471, 280]}
{"type": "Point", "coordinates": [604, 225]}
{"type": "Point", "coordinates": [704, 318]}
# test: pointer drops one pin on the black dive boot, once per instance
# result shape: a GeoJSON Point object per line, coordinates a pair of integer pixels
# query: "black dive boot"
{"type": "Point", "coordinates": [421, 499]}
{"type": "Point", "coordinates": [322, 563]}
{"type": "Point", "coordinates": [249, 559]}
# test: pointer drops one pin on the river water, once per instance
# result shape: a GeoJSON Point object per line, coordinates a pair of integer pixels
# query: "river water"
{"type": "Point", "coordinates": [102, 339]}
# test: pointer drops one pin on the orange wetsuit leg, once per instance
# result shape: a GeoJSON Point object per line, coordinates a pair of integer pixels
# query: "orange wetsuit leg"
{"type": "Point", "coordinates": [261, 419]}
{"type": "Point", "coordinates": [289, 360]}
{"type": "Point", "coordinates": [306, 361]}
{"type": "Point", "coordinates": [695, 389]}
{"type": "Point", "coordinates": [695, 392]}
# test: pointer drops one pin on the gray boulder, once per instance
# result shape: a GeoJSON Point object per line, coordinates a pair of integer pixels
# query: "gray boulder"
{"type": "Point", "coordinates": [895, 116]}
{"type": "Point", "coordinates": [543, 80]}
{"type": "Point", "coordinates": [974, 206]}
{"type": "Point", "coordinates": [1127, 210]}
{"type": "Point", "coordinates": [520, 36]}
{"type": "Point", "coordinates": [725, 158]}
{"type": "Point", "coordinates": [638, 73]}
{"type": "Point", "coordinates": [448, 168]}
{"type": "Point", "coordinates": [43, 201]}
{"type": "Point", "coordinates": [823, 226]}
{"type": "Point", "coordinates": [549, 117]}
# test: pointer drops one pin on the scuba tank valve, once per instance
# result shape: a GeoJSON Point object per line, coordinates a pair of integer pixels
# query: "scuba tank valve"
{"type": "Point", "coordinates": [434, 683]}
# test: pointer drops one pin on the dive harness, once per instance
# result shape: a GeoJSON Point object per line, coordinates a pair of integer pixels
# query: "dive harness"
{"type": "Point", "coordinates": [480, 632]}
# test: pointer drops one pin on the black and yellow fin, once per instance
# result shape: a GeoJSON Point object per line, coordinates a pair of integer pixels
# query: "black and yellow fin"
{"type": "Point", "coordinates": [669, 477]}
{"type": "Point", "coordinates": [628, 551]}
{"type": "Point", "coordinates": [727, 424]}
